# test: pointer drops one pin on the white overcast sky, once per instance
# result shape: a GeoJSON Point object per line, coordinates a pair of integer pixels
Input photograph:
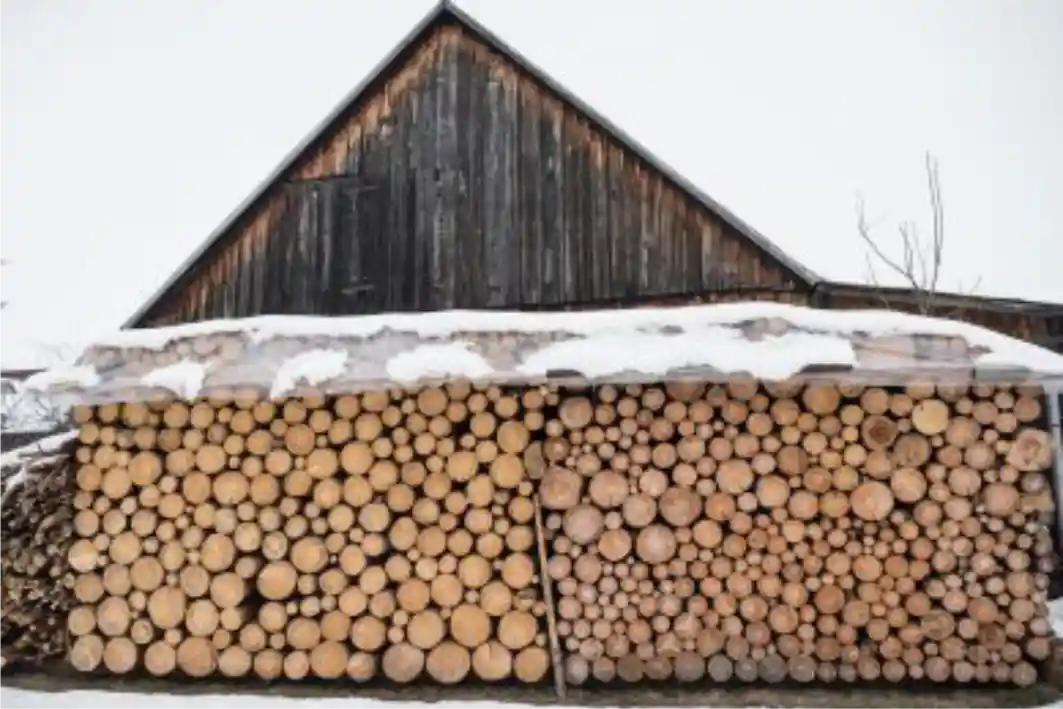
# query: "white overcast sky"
{"type": "Point", "coordinates": [130, 129]}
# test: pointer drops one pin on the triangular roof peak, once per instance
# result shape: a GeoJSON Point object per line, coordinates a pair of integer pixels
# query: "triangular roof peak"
{"type": "Point", "coordinates": [443, 13]}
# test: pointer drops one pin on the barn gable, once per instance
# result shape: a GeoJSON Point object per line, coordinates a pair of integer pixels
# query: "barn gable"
{"type": "Point", "coordinates": [458, 175]}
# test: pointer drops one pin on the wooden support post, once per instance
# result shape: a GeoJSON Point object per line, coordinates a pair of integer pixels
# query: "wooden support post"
{"type": "Point", "coordinates": [548, 598]}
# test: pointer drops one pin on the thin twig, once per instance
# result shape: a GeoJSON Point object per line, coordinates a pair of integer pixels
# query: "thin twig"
{"type": "Point", "coordinates": [920, 263]}
{"type": "Point", "coordinates": [865, 234]}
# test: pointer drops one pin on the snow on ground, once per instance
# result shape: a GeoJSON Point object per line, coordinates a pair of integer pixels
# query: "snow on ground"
{"type": "Point", "coordinates": [597, 344]}
{"type": "Point", "coordinates": [1055, 614]}
{"type": "Point", "coordinates": [26, 699]}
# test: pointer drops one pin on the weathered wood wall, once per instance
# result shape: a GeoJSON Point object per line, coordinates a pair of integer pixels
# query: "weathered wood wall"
{"type": "Point", "coordinates": [462, 182]}
{"type": "Point", "coordinates": [1038, 323]}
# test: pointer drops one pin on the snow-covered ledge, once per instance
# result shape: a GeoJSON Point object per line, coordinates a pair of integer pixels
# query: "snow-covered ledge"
{"type": "Point", "coordinates": [275, 355]}
{"type": "Point", "coordinates": [35, 456]}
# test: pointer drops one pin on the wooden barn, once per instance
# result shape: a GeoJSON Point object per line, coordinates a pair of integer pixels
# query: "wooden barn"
{"type": "Point", "coordinates": [458, 175]}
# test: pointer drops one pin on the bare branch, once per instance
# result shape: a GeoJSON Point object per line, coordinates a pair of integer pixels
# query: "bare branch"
{"type": "Point", "coordinates": [865, 233]}
{"type": "Point", "coordinates": [937, 211]}
{"type": "Point", "coordinates": [921, 262]}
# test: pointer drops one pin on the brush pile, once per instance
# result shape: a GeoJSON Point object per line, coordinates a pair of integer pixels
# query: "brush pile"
{"type": "Point", "coordinates": [35, 575]}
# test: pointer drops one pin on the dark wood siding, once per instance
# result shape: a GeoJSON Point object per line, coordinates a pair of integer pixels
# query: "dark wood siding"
{"type": "Point", "coordinates": [464, 183]}
{"type": "Point", "coordinates": [1038, 323]}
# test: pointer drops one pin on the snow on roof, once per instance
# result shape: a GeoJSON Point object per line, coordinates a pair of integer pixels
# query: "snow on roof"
{"type": "Point", "coordinates": [278, 354]}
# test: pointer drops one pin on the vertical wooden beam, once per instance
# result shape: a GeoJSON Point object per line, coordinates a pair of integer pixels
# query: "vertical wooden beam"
{"type": "Point", "coordinates": [548, 598]}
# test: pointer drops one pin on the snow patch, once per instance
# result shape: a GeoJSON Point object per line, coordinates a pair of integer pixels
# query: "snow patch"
{"type": "Point", "coordinates": [1055, 616]}
{"type": "Point", "coordinates": [764, 340]}
{"type": "Point", "coordinates": [591, 323]}
{"type": "Point", "coordinates": [312, 368]}
{"type": "Point", "coordinates": [455, 359]}
{"type": "Point", "coordinates": [184, 378]}
{"type": "Point", "coordinates": [62, 377]}
{"type": "Point", "coordinates": [724, 350]}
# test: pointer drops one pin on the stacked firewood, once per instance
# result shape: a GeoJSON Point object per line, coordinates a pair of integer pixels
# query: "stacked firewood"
{"type": "Point", "coordinates": [748, 530]}
{"type": "Point", "coordinates": [35, 576]}
{"type": "Point", "coordinates": [389, 533]}
{"type": "Point", "coordinates": [773, 531]}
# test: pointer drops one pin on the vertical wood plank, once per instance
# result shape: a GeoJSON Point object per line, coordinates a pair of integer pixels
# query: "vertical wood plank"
{"type": "Point", "coordinates": [531, 231]}
{"type": "Point", "coordinates": [493, 193]}
{"type": "Point", "coordinates": [658, 256]}
{"type": "Point", "coordinates": [618, 256]}
{"type": "Point", "coordinates": [553, 204]}
{"type": "Point", "coordinates": [510, 204]}
{"type": "Point", "coordinates": [692, 248]}
{"type": "Point", "coordinates": [397, 236]}
{"type": "Point", "coordinates": [400, 290]}
{"type": "Point", "coordinates": [256, 247]}
{"type": "Point", "coordinates": [371, 197]}
{"type": "Point", "coordinates": [287, 253]}
{"type": "Point", "coordinates": [226, 275]}
{"type": "Point", "coordinates": [239, 276]}
{"type": "Point", "coordinates": [598, 219]}
{"type": "Point", "coordinates": [300, 269]}
{"type": "Point", "coordinates": [582, 230]}
{"type": "Point", "coordinates": [425, 258]}
{"type": "Point", "coordinates": [202, 311]}
{"type": "Point", "coordinates": [348, 265]}
{"type": "Point", "coordinates": [666, 238]}
{"type": "Point", "coordinates": [478, 120]}
{"type": "Point", "coordinates": [325, 212]}
{"type": "Point", "coordinates": [446, 168]}
{"type": "Point", "coordinates": [745, 259]}
{"type": "Point", "coordinates": [732, 259]}
{"type": "Point", "coordinates": [266, 288]}
{"type": "Point", "coordinates": [326, 253]}
{"type": "Point", "coordinates": [312, 270]}
{"type": "Point", "coordinates": [349, 221]}
{"type": "Point", "coordinates": [633, 198]}
{"type": "Point", "coordinates": [465, 249]}
{"type": "Point", "coordinates": [334, 267]}
{"type": "Point", "coordinates": [571, 247]}
{"type": "Point", "coordinates": [647, 229]}
{"type": "Point", "coordinates": [708, 252]}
